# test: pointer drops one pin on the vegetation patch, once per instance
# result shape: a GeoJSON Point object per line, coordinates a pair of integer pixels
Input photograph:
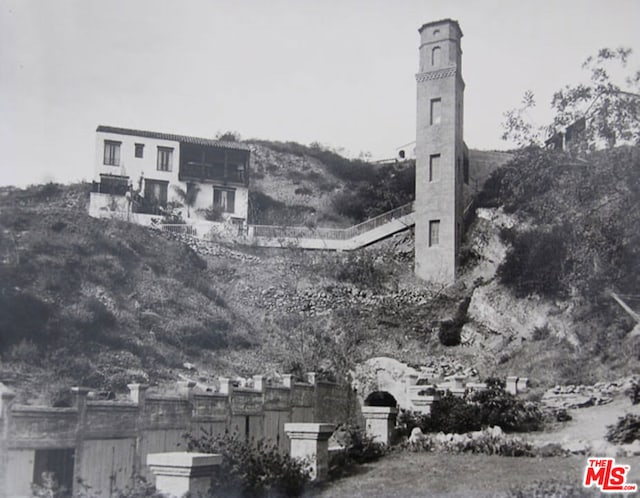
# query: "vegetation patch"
{"type": "Point", "coordinates": [251, 468]}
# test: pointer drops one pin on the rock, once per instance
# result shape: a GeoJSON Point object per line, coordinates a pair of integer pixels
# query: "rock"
{"type": "Point", "coordinates": [416, 435]}
{"type": "Point", "coordinates": [632, 449]}
{"type": "Point", "coordinates": [579, 447]}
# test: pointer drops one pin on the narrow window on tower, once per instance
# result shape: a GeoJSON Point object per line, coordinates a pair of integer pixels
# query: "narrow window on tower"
{"type": "Point", "coordinates": [435, 111]}
{"type": "Point", "coordinates": [435, 56]}
{"type": "Point", "coordinates": [434, 233]}
{"type": "Point", "coordinates": [434, 167]}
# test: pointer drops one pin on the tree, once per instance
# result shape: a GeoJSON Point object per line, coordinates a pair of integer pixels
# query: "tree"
{"type": "Point", "coordinates": [600, 112]}
{"type": "Point", "coordinates": [188, 197]}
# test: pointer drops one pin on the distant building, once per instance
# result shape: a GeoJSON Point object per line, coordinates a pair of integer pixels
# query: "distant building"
{"type": "Point", "coordinates": [141, 173]}
{"type": "Point", "coordinates": [442, 166]}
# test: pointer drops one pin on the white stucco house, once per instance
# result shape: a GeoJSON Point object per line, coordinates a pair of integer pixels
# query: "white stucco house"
{"type": "Point", "coordinates": [143, 175]}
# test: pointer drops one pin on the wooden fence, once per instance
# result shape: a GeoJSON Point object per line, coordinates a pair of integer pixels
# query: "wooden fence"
{"type": "Point", "coordinates": [100, 446]}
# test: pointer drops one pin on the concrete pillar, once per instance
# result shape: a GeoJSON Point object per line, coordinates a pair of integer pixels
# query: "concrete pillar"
{"type": "Point", "coordinates": [258, 383]}
{"type": "Point", "coordinates": [423, 404]}
{"type": "Point", "coordinates": [185, 388]}
{"type": "Point", "coordinates": [380, 422]}
{"type": "Point", "coordinates": [287, 380]}
{"type": "Point", "coordinates": [311, 443]}
{"type": "Point", "coordinates": [80, 402]}
{"type": "Point", "coordinates": [512, 385]}
{"type": "Point", "coordinates": [138, 393]}
{"type": "Point", "coordinates": [312, 378]}
{"type": "Point", "coordinates": [226, 387]}
{"type": "Point", "coordinates": [6, 400]}
{"type": "Point", "coordinates": [179, 472]}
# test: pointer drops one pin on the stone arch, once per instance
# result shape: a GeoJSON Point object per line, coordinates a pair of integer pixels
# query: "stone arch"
{"type": "Point", "coordinates": [381, 398]}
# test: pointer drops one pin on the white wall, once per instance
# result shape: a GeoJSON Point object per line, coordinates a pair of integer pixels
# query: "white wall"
{"type": "Point", "coordinates": [132, 167]}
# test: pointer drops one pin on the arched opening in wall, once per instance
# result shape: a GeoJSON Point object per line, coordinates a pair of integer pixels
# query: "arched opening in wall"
{"type": "Point", "coordinates": [381, 398]}
{"type": "Point", "coordinates": [435, 56]}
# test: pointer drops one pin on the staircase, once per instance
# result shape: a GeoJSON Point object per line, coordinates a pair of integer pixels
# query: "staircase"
{"type": "Point", "coordinates": [335, 239]}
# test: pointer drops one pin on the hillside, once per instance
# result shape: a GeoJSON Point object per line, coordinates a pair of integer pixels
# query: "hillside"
{"type": "Point", "coordinates": [103, 303]}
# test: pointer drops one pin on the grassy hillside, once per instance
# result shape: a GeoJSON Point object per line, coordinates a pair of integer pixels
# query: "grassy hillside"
{"type": "Point", "coordinates": [294, 184]}
{"type": "Point", "coordinates": [103, 303]}
{"type": "Point", "coordinates": [576, 239]}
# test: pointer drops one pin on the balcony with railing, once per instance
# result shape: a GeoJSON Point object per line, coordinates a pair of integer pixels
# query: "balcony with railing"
{"type": "Point", "coordinates": [208, 172]}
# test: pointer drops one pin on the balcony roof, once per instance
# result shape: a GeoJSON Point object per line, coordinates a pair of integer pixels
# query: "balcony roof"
{"type": "Point", "coordinates": [175, 138]}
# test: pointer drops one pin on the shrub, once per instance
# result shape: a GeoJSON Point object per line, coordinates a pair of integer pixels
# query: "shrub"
{"type": "Point", "coordinates": [358, 448]}
{"type": "Point", "coordinates": [536, 263]}
{"type": "Point", "coordinates": [452, 415]}
{"type": "Point", "coordinates": [498, 407]}
{"type": "Point", "coordinates": [213, 213]}
{"type": "Point", "coordinates": [625, 431]}
{"type": "Point", "coordinates": [356, 268]}
{"type": "Point", "coordinates": [303, 191]}
{"type": "Point", "coordinates": [407, 420]}
{"type": "Point", "coordinates": [23, 317]}
{"type": "Point", "coordinates": [486, 442]}
{"type": "Point", "coordinates": [634, 393]}
{"type": "Point", "coordinates": [251, 468]}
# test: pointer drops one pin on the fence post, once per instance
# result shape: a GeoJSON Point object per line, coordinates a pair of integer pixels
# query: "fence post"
{"type": "Point", "coordinates": [380, 422]}
{"type": "Point", "coordinates": [311, 442]}
{"type": "Point", "coordinates": [178, 473]}
{"type": "Point", "coordinates": [6, 400]}
{"type": "Point", "coordinates": [138, 394]}
{"type": "Point", "coordinates": [80, 403]}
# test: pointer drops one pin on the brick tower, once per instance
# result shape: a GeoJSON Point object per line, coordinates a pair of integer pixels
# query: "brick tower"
{"type": "Point", "coordinates": [440, 152]}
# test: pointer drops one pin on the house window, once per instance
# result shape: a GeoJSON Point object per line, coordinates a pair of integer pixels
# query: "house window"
{"type": "Point", "coordinates": [139, 150]}
{"type": "Point", "coordinates": [435, 111]}
{"type": "Point", "coordinates": [225, 199]}
{"type": "Point", "coordinates": [434, 167]}
{"type": "Point", "coordinates": [112, 153]}
{"type": "Point", "coordinates": [165, 158]}
{"type": "Point", "coordinates": [435, 56]}
{"type": "Point", "coordinates": [155, 193]}
{"type": "Point", "coordinates": [434, 233]}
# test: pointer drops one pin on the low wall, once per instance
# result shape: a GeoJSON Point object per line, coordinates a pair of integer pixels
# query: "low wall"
{"type": "Point", "coordinates": [107, 442]}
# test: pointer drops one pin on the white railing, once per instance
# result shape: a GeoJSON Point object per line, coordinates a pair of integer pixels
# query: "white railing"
{"type": "Point", "coordinates": [179, 229]}
{"type": "Point", "coordinates": [302, 232]}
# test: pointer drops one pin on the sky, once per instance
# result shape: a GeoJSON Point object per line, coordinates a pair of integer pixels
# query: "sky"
{"type": "Point", "coordinates": [338, 72]}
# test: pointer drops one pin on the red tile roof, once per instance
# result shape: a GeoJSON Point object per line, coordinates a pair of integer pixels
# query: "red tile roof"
{"type": "Point", "coordinates": [176, 138]}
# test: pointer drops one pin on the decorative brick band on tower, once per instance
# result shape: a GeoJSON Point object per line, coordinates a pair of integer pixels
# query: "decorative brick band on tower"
{"type": "Point", "coordinates": [439, 152]}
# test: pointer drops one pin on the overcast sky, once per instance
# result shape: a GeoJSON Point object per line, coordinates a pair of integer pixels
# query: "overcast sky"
{"type": "Point", "coordinates": [339, 72]}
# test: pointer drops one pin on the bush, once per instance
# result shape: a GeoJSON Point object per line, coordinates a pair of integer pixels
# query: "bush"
{"type": "Point", "coordinates": [356, 268]}
{"type": "Point", "coordinates": [625, 431]}
{"type": "Point", "coordinates": [486, 442]}
{"type": "Point", "coordinates": [358, 448]}
{"type": "Point", "coordinates": [251, 468]}
{"type": "Point", "coordinates": [213, 213]}
{"type": "Point", "coordinates": [452, 415]}
{"type": "Point", "coordinates": [498, 407]}
{"type": "Point", "coordinates": [536, 263]}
